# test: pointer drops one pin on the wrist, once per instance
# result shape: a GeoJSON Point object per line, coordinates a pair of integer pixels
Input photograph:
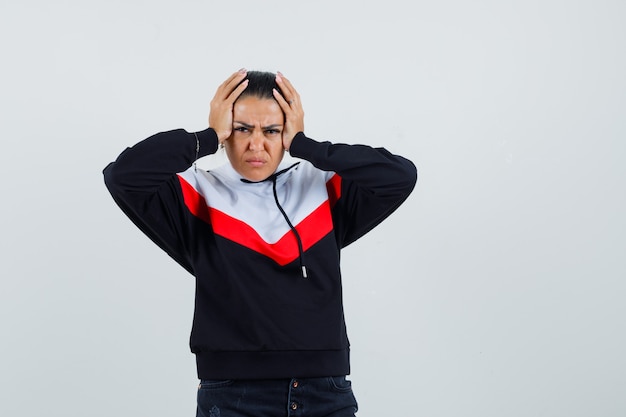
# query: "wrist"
{"type": "Point", "coordinates": [222, 135]}
{"type": "Point", "coordinates": [289, 144]}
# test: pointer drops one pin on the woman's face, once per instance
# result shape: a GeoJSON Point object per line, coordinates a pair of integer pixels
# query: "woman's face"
{"type": "Point", "coordinates": [255, 148]}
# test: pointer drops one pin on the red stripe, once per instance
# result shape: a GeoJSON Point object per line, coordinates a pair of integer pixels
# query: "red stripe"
{"type": "Point", "coordinates": [334, 189]}
{"type": "Point", "coordinates": [194, 201]}
{"type": "Point", "coordinates": [311, 230]}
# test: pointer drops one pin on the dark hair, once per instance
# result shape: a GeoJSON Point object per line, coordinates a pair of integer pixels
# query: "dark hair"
{"type": "Point", "coordinates": [260, 85]}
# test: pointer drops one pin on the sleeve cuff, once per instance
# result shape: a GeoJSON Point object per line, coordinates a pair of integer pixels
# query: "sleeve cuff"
{"type": "Point", "coordinates": [301, 146]}
{"type": "Point", "coordinates": [207, 141]}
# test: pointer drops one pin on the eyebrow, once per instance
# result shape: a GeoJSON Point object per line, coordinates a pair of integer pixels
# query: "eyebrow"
{"type": "Point", "coordinates": [247, 126]}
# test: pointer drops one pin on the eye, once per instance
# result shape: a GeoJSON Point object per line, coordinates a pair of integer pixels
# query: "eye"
{"type": "Point", "coordinates": [272, 132]}
{"type": "Point", "coordinates": [241, 129]}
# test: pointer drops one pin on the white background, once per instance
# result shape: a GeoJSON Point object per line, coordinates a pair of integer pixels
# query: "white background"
{"type": "Point", "coordinates": [497, 289]}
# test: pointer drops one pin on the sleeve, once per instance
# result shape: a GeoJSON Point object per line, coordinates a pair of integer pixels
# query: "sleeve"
{"type": "Point", "coordinates": [374, 182]}
{"type": "Point", "coordinates": [143, 183]}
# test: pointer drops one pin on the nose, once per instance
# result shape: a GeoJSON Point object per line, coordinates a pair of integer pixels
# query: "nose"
{"type": "Point", "coordinates": [256, 140]}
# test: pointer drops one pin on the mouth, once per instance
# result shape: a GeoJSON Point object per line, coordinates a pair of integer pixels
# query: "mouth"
{"type": "Point", "coordinates": [255, 162]}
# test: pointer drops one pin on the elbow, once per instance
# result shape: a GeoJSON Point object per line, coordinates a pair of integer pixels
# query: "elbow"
{"type": "Point", "coordinates": [410, 176]}
{"type": "Point", "coordinates": [413, 174]}
{"type": "Point", "coordinates": [112, 179]}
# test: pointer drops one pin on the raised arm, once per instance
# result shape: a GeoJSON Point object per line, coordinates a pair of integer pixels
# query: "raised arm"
{"type": "Point", "coordinates": [374, 182]}
{"type": "Point", "coordinates": [143, 181]}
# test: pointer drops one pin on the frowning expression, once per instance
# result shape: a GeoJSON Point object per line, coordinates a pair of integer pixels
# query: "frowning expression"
{"type": "Point", "coordinates": [255, 148]}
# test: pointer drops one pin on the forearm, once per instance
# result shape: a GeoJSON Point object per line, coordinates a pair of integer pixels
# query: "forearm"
{"type": "Point", "coordinates": [153, 161]}
{"type": "Point", "coordinates": [380, 172]}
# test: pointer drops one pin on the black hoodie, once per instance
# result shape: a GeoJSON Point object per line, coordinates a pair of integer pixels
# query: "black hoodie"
{"type": "Point", "coordinates": [265, 254]}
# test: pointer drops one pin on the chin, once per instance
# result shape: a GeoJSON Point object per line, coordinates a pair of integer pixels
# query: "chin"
{"type": "Point", "coordinates": [256, 176]}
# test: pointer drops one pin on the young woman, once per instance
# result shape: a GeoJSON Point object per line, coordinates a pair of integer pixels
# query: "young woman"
{"type": "Point", "coordinates": [262, 238]}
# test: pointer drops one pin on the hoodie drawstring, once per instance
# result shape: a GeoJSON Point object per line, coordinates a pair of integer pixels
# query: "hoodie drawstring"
{"type": "Point", "coordinates": [293, 229]}
{"type": "Point", "coordinates": [273, 178]}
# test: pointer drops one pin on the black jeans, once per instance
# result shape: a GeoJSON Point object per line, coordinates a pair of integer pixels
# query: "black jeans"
{"type": "Point", "coordinates": [305, 397]}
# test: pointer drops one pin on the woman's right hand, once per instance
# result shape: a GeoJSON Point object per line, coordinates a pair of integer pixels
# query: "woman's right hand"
{"type": "Point", "coordinates": [221, 113]}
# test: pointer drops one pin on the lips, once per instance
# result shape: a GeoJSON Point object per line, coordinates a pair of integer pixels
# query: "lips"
{"type": "Point", "coordinates": [255, 162]}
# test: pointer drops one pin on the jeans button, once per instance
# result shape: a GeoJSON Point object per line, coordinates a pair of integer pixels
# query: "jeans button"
{"type": "Point", "coordinates": [295, 384]}
{"type": "Point", "coordinates": [294, 406]}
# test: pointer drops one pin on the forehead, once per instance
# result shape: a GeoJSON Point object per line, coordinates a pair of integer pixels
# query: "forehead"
{"type": "Point", "coordinates": [253, 109]}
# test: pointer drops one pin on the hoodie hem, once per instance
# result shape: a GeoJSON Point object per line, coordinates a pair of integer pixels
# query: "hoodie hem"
{"type": "Point", "coordinates": [272, 364]}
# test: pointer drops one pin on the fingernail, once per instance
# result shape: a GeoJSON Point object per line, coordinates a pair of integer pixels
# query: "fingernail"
{"type": "Point", "coordinates": [278, 77]}
{"type": "Point", "coordinates": [243, 71]}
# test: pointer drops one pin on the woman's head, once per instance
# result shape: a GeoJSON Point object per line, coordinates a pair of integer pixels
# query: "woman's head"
{"type": "Point", "coordinates": [255, 147]}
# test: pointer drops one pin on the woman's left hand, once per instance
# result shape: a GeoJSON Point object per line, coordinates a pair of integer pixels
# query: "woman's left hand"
{"type": "Point", "coordinates": [291, 105]}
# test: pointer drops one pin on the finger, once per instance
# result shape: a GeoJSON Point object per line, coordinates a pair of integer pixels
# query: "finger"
{"type": "Point", "coordinates": [284, 104]}
{"type": "Point", "coordinates": [287, 88]}
{"type": "Point", "coordinates": [224, 84]}
{"type": "Point", "coordinates": [227, 87]}
{"type": "Point", "coordinates": [237, 91]}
